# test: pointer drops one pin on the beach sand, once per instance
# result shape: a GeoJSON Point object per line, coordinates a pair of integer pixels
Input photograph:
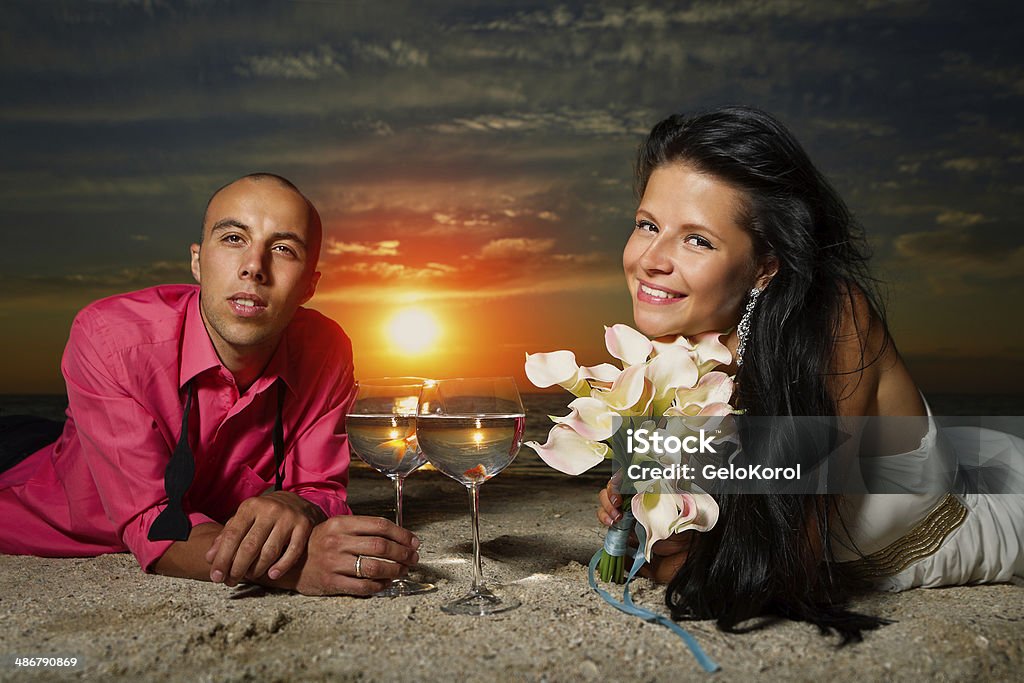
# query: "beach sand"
{"type": "Point", "coordinates": [538, 533]}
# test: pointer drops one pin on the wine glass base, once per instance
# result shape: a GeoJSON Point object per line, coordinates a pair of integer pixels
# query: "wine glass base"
{"type": "Point", "coordinates": [402, 587]}
{"type": "Point", "coordinates": [480, 603]}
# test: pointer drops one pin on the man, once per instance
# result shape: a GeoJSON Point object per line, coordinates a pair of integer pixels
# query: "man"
{"type": "Point", "coordinates": [204, 429]}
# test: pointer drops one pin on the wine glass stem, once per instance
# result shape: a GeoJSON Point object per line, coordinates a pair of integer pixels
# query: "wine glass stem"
{"type": "Point", "coordinates": [398, 500]}
{"type": "Point", "coordinates": [478, 576]}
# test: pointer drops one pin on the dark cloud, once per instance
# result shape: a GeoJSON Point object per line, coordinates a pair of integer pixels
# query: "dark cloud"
{"type": "Point", "coordinates": [97, 281]}
{"type": "Point", "coordinates": [426, 132]}
{"type": "Point", "coordinates": [958, 247]}
{"type": "Point", "coordinates": [308, 65]}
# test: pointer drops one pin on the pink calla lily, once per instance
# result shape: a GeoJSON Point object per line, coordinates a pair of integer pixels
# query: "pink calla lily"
{"type": "Point", "coordinates": [627, 345]}
{"type": "Point", "coordinates": [591, 418]}
{"type": "Point", "coordinates": [568, 452]}
{"type": "Point", "coordinates": [710, 351]}
{"type": "Point", "coordinates": [603, 374]}
{"type": "Point", "coordinates": [664, 514]}
{"type": "Point", "coordinates": [676, 378]}
{"type": "Point", "coordinates": [713, 388]}
{"type": "Point", "coordinates": [630, 393]}
{"type": "Point", "coordinates": [672, 368]}
{"type": "Point", "coordinates": [556, 367]}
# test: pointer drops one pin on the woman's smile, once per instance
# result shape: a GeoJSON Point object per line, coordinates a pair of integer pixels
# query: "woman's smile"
{"type": "Point", "coordinates": [652, 294]}
{"type": "Point", "coordinates": [689, 263]}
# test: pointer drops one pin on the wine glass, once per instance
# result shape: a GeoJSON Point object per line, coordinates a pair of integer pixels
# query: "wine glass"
{"type": "Point", "coordinates": [471, 429]}
{"type": "Point", "coordinates": [381, 426]}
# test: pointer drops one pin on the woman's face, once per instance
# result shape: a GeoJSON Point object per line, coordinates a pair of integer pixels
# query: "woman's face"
{"type": "Point", "coordinates": [688, 263]}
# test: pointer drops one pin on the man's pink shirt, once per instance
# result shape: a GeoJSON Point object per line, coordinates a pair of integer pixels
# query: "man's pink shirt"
{"type": "Point", "coordinates": [126, 365]}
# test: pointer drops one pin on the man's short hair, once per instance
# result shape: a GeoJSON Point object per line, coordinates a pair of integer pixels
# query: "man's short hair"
{"type": "Point", "coordinates": [263, 176]}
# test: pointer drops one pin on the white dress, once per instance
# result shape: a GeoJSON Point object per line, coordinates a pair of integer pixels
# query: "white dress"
{"type": "Point", "coordinates": [933, 538]}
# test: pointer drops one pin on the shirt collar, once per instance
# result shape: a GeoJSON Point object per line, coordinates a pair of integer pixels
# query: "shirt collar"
{"type": "Point", "coordinates": [280, 365]}
{"type": "Point", "coordinates": [199, 355]}
{"type": "Point", "coordinates": [197, 352]}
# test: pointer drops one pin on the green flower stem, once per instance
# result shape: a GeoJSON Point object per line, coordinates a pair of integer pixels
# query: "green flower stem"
{"type": "Point", "coordinates": [611, 567]}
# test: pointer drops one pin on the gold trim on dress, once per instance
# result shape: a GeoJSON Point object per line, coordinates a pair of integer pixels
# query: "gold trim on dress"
{"type": "Point", "coordinates": [918, 543]}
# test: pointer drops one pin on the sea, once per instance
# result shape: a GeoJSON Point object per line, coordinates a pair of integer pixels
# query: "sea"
{"type": "Point", "coordinates": [540, 406]}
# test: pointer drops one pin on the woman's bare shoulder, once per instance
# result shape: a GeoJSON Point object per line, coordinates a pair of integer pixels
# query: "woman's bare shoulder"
{"type": "Point", "coordinates": [869, 376]}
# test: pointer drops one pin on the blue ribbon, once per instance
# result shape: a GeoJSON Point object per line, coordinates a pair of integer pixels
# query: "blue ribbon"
{"type": "Point", "coordinates": [629, 607]}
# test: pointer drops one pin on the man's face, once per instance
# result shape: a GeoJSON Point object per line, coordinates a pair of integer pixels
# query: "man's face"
{"type": "Point", "coordinates": [256, 265]}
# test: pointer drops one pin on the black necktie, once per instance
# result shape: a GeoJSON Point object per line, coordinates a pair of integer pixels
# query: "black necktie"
{"type": "Point", "coordinates": [173, 524]}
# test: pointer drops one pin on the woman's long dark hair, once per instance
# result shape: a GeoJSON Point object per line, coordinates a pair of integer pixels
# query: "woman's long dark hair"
{"type": "Point", "coordinates": [761, 559]}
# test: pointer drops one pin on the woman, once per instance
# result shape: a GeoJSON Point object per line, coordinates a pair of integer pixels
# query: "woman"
{"type": "Point", "coordinates": [737, 230]}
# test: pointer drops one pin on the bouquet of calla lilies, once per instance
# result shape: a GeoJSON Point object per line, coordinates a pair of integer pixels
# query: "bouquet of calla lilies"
{"type": "Point", "coordinates": [657, 379]}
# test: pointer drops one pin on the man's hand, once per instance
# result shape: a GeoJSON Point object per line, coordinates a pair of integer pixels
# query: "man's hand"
{"type": "Point", "coordinates": [329, 568]}
{"type": "Point", "coordinates": [266, 536]}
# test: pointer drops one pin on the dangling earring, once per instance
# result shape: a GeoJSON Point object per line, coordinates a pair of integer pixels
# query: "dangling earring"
{"type": "Point", "coordinates": [743, 329]}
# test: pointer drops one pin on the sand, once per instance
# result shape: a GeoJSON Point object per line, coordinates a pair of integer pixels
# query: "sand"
{"type": "Point", "coordinates": [538, 534]}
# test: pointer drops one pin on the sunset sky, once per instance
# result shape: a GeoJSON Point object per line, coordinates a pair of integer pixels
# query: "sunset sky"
{"type": "Point", "coordinates": [473, 161]}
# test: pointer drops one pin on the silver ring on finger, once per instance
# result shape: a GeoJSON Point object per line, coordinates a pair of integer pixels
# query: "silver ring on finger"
{"type": "Point", "coordinates": [359, 567]}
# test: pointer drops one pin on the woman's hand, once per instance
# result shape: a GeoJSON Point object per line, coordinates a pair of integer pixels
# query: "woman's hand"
{"type": "Point", "coordinates": [609, 502]}
{"type": "Point", "coordinates": [667, 555]}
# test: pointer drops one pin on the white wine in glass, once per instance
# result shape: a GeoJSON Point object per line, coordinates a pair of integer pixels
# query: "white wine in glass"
{"type": "Point", "coordinates": [381, 427]}
{"type": "Point", "coordinates": [470, 430]}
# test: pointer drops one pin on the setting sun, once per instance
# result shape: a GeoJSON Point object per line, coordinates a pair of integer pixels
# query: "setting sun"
{"type": "Point", "coordinates": [413, 330]}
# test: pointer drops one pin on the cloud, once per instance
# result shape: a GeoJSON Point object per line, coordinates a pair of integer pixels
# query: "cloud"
{"type": "Point", "coordinates": [385, 248]}
{"type": "Point", "coordinates": [514, 247]}
{"type": "Point", "coordinates": [596, 282]}
{"type": "Point", "coordinates": [641, 16]}
{"type": "Point", "coordinates": [467, 220]}
{"type": "Point", "coordinates": [326, 62]}
{"type": "Point", "coordinates": [577, 121]}
{"type": "Point", "coordinates": [396, 53]}
{"type": "Point", "coordinates": [1007, 79]}
{"type": "Point", "coordinates": [957, 252]}
{"type": "Point", "coordinates": [970, 164]}
{"type": "Point", "coordinates": [581, 259]}
{"type": "Point", "coordinates": [52, 185]}
{"type": "Point", "coordinates": [959, 218]}
{"type": "Point", "coordinates": [309, 65]}
{"type": "Point", "coordinates": [98, 281]}
{"type": "Point", "coordinates": [862, 126]}
{"type": "Point", "coordinates": [395, 271]}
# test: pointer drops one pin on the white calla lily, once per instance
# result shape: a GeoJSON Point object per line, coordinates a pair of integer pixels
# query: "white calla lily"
{"type": "Point", "coordinates": [671, 369]}
{"type": "Point", "coordinates": [626, 344]}
{"type": "Point", "coordinates": [713, 388]}
{"type": "Point", "coordinates": [657, 512]}
{"type": "Point", "coordinates": [662, 347]}
{"type": "Point", "coordinates": [654, 486]}
{"type": "Point", "coordinates": [715, 410]}
{"type": "Point", "coordinates": [711, 352]}
{"type": "Point", "coordinates": [603, 374]}
{"type": "Point", "coordinates": [556, 367]}
{"type": "Point", "coordinates": [568, 452]}
{"type": "Point", "coordinates": [674, 378]}
{"type": "Point", "coordinates": [629, 394]}
{"type": "Point", "coordinates": [591, 418]}
{"type": "Point", "coordinates": [664, 514]}
{"type": "Point", "coordinates": [701, 513]}
{"type": "Point", "coordinates": [681, 428]}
